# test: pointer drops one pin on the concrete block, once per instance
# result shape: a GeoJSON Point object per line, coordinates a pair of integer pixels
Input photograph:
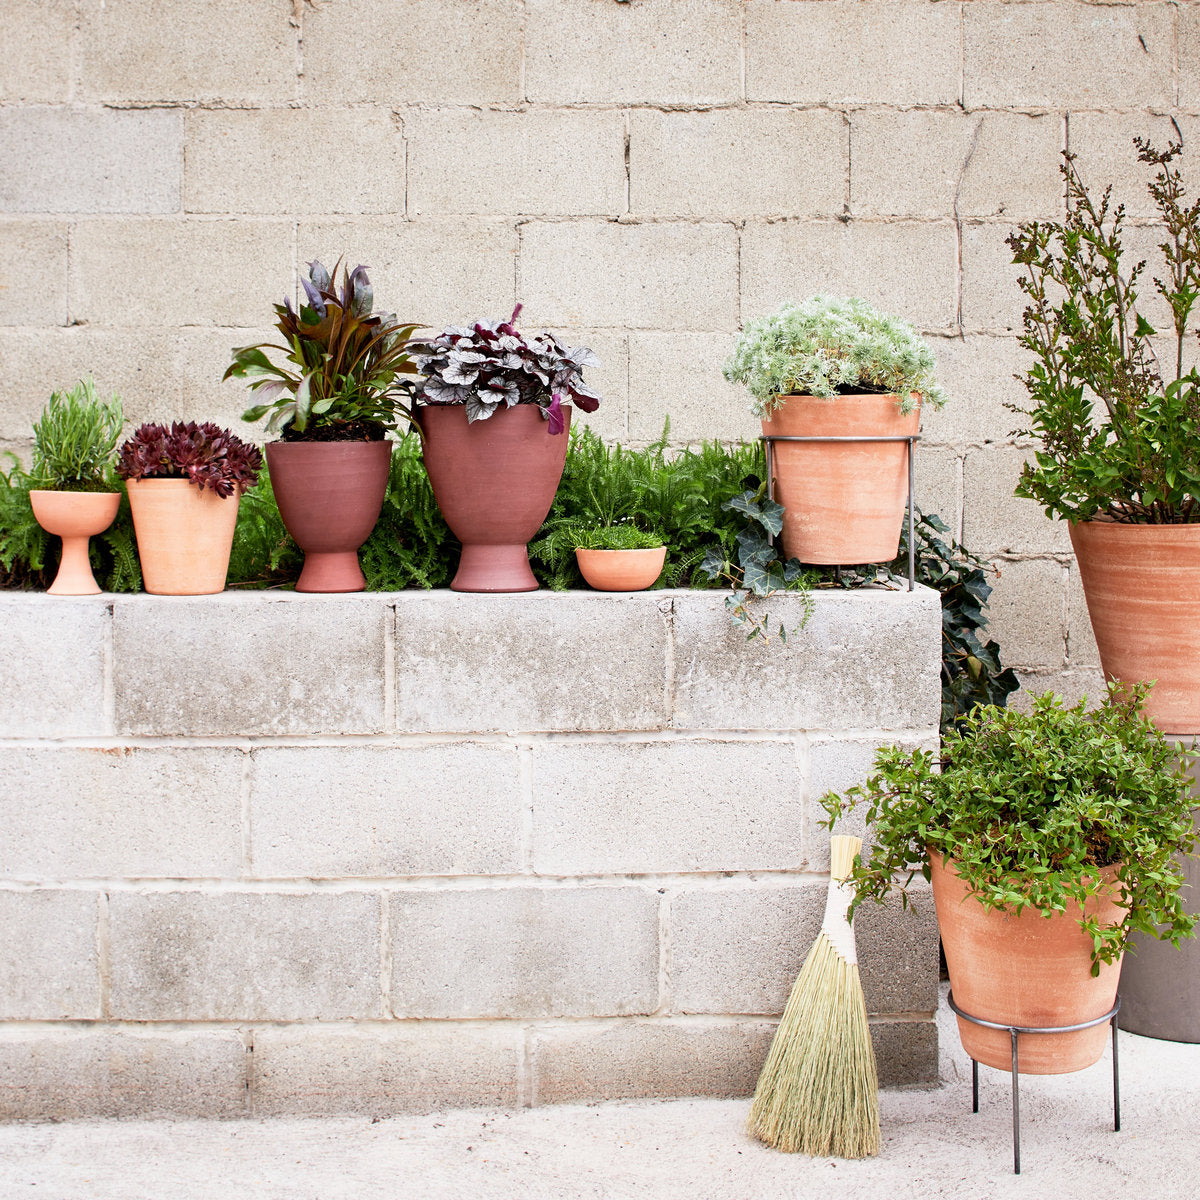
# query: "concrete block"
{"type": "Point", "coordinates": [604, 808]}
{"type": "Point", "coordinates": [678, 375]}
{"type": "Point", "coordinates": [738, 163]}
{"type": "Point", "coordinates": [877, 52]}
{"type": "Point", "coordinates": [992, 299]}
{"type": "Point", "coordinates": [580, 52]}
{"type": "Point", "coordinates": [1188, 51]}
{"type": "Point", "coordinates": [670, 276]}
{"type": "Point", "coordinates": [898, 952]}
{"type": "Point", "coordinates": [264, 162]}
{"type": "Point", "coordinates": [203, 272]}
{"type": "Point", "coordinates": [91, 1072]}
{"type": "Point", "coordinates": [437, 271]}
{"type": "Point", "coordinates": [33, 250]}
{"type": "Point", "coordinates": [45, 30]}
{"type": "Point", "coordinates": [54, 678]}
{"type": "Point", "coordinates": [375, 1071]}
{"type": "Point", "coordinates": [535, 161]}
{"type": "Point", "coordinates": [249, 956]}
{"type": "Point", "coordinates": [955, 164]}
{"type": "Point", "coordinates": [524, 952]}
{"type": "Point", "coordinates": [531, 661]}
{"type": "Point", "coordinates": [325, 812]}
{"type": "Point", "coordinates": [906, 1052]}
{"type": "Point", "coordinates": [937, 483]}
{"type": "Point", "coordinates": [48, 969]}
{"type": "Point", "coordinates": [589, 1064]}
{"type": "Point", "coordinates": [979, 373]}
{"type": "Point", "coordinates": [996, 521]}
{"type": "Point", "coordinates": [434, 52]}
{"type": "Point", "coordinates": [1027, 612]}
{"type": "Point", "coordinates": [789, 260]}
{"type": "Point", "coordinates": [145, 50]}
{"type": "Point", "coordinates": [1066, 55]}
{"type": "Point", "coordinates": [86, 812]}
{"type": "Point", "coordinates": [64, 160]}
{"type": "Point", "coordinates": [610, 379]}
{"type": "Point", "coordinates": [1072, 684]}
{"type": "Point", "coordinates": [293, 664]}
{"type": "Point", "coordinates": [824, 678]}
{"type": "Point", "coordinates": [1081, 642]}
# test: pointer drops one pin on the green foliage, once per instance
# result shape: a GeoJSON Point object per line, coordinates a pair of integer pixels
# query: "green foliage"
{"type": "Point", "coordinates": [827, 345]}
{"type": "Point", "coordinates": [1138, 458]}
{"type": "Point", "coordinates": [1032, 807]}
{"type": "Point", "coordinates": [615, 537]}
{"type": "Point", "coordinates": [75, 439]}
{"type": "Point", "coordinates": [263, 553]}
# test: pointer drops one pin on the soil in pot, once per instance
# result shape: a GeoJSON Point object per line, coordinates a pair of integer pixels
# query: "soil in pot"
{"type": "Point", "coordinates": [75, 517]}
{"type": "Point", "coordinates": [494, 481]}
{"type": "Point", "coordinates": [329, 496]}
{"type": "Point", "coordinates": [621, 570]}
{"type": "Point", "coordinates": [844, 502]}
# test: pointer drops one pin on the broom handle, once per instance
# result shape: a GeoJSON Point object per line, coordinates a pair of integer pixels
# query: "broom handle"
{"type": "Point", "coordinates": [842, 850]}
{"type": "Point", "coordinates": [836, 926]}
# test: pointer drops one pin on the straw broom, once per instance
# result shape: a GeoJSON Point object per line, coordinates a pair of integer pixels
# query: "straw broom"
{"type": "Point", "coordinates": [818, 1092]}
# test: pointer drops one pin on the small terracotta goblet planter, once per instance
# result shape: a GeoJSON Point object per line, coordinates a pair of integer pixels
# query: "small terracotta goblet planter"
{"type": "Point", "coordinates": [75, 517]}
{"type": "Point", "coordinates": [621, 570]}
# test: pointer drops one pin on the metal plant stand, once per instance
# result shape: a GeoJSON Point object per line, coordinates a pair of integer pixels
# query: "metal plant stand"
{"type": "Point", "coordinates": [770, 439]}
{"type": "Point", "coordinates": [1014, 1032]}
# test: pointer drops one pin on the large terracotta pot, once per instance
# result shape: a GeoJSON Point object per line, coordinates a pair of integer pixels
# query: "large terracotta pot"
{"type": "Point", "coordinates": [1142, 584]}
{"type": "Point", "coordinates": [494, 481]}
{"type": "Point", "coordinates": [621, 570]}
{"type": "Point", "coordinates": [184, 535]}
{"type": "Point", "coordinates": [1024, 969]}
{"type": "Point", "coordinates": [75, 517]}
{"type": "Point", "coordinates": [329, 496]}
{"type": "Point", "coordinates": [844, 501]}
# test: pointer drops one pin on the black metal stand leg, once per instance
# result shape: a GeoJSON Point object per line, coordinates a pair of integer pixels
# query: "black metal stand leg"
{"type": "Point", "coordinates": [974, 1086]}
{"type": "Point", "coordinates": [1116, 1082]}
{"type": "Point", "coordinates": [1016, 1090]}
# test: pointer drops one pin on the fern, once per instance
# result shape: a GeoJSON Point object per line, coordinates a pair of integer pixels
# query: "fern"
{"type": "Point", "coordinates": [24, 544]}
{"type": "Point", "coordinates": [263, 553]}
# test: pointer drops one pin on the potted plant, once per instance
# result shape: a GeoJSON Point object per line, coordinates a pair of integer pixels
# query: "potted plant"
{"type": "Point", "coordinates": [73, 490]}
{"type": "Point", "coordinates": [1119, 429]}
{"type": "Point", "coordinates": [184, 485]}
{"type": "Point", "coordinates": [1049, 836]}
{"type": "Point", "coordinates": [619, 558]}
{"type": "Point", "coordinates": [343, 389]}
{"type": "Point", "coordinates": [831, 368]}
{"type": "Point", "coordinates": [493, 412]}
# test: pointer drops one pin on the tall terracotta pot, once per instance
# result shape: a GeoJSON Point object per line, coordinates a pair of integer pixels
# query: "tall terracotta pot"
{"type": "Point", "coordinates": [184, 535]}
{"type": "Point", "coordinates": [1142, 584]}
{"type": "Point", "coordinates": [844, 501]}
{"type": "Point", "coordinates": [75, 517]}
{"type": "Point", "coordinates": [329, 496]}
{"type": "Point", "coordinates": [1024, 969]}
{"type": "Point", "coordinates": [494, 481]}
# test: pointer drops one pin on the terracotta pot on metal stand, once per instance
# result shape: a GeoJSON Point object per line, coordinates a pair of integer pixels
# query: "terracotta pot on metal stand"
{"type": "Point", "coordinates": [844, 501]}
{"type": "Point", "coordinates": [329, 496]}
{"type": "Point", "coordinates": [75, 517]}
{"type": "Point", "coordinates": [494, 481]}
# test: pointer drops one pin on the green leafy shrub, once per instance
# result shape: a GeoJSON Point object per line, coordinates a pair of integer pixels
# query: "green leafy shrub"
{"type": "Point", "coordinates": [615, 537]}
{"type": "Point", "coordinates": [75, 439]}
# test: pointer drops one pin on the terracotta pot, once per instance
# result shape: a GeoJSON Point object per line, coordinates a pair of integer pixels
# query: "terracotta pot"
{"type": "Point", "coordinates": [1142, 584]}
{"type": "Point", "coordinates": [844, 501]}
{"type": "Point", "coordinates": [1024, 969]}
{"type": "Point", "coordinates": [329, 496]}
{"type": "Point", "coordinates": [621, 570]}
{"type": "Point", "coordinates": [75, 517]}
{"type": "Point", "coordinates": [184, 535]}
{"type": "Point", "coordinates": [494, 481]}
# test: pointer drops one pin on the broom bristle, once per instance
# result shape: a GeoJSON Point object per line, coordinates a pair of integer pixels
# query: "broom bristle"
{"type": "Point", "coordinates": [818, 1092]}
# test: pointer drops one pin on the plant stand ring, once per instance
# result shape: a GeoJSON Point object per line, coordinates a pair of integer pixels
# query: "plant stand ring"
{"type": "Point", "coordinates": [1014, 1032]}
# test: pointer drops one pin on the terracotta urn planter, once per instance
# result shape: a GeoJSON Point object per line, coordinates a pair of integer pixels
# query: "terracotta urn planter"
{"type": "Point", "coordinates": [75, 517]}
{"type": "Point", "coordinates": [1024, 969]}
{"type": "Point", "coordinates": [1142, 584]}
{"type": "Point", "coordinates": [844, 501]}
{"type": "Point", "coordinates": [329, 496]}
{"type": "Point", "coordinates": [494, 481]}
{"type": "Point", "coordinates": [621, 570]}
{"type": "Point", "coordinates": [184, 535]}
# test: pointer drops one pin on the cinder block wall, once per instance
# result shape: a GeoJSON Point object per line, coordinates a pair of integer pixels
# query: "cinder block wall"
{"type": "Point", "coordinates": [644, 176]}
{"type": "Point", "coordinates": [278, 854]}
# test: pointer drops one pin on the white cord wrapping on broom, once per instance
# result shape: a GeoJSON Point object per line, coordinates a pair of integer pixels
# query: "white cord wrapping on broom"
{"type": "Point", "coordinates": [836, 925]}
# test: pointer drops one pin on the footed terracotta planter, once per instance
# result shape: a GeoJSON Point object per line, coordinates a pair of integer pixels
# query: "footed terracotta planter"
{"type": "Point", "coordinates": [1142, 584]}
{"type": "Point", "coordinates": [621, 570]}
{"type": "Point", "coordinates": [329, 496]}
{"type": "Point", "coordinates": [844, 502]}
{"type": "Point", "coordinates": [494, 481]}
{"type": "Point", "coordinates": [184, 535]}
{"type": "Point", "coordinates": [1024, 969]}
{"type": "Point", "coordinates": [75, 517]}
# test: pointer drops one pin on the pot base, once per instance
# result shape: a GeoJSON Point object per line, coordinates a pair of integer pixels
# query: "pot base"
{"type": "Point", "coordinates": [491, 568]}
{"type": "Point", "coordinates": [331, 571]}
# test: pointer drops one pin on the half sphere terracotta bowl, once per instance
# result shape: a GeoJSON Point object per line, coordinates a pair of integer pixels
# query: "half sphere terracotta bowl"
{"type": "Point", "coordinates": [621, 570]}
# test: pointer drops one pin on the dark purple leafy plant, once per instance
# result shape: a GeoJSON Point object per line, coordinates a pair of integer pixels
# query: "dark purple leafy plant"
{"type": "Point", "coordinates": [205, 454]}
{"type": "Point", "coordinates": [492, 365]}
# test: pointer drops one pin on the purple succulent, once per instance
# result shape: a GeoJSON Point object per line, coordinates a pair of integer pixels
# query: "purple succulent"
{"type": "Point", "coordinates": [205, 454]}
